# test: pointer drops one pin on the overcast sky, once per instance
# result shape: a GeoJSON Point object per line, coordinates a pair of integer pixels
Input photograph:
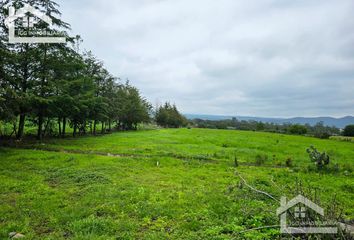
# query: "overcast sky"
{"type": "Point", "coordinates": [271, 58]}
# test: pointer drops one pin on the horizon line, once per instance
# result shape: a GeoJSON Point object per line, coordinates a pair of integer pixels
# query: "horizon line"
{"type": "Point", "coordinates": [231, 116]}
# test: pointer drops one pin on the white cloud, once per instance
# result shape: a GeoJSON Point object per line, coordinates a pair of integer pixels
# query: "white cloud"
{"type": "Point", "coordinates": [264, 58]}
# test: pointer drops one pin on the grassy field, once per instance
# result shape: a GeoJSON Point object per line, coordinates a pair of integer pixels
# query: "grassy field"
{"type": "Point", "coordinates": [164, 184]}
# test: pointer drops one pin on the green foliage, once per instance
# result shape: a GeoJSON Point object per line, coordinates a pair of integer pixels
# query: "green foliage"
{"type": "Point", "coordinates": [260, 126]}
{"type": "Point", "coordinates": [297, 129]}
{"type": "Point", "coordinates": [168, 116]}
{"type": "Point", "coordinates": [319, 130]}
{"type": "Point", "coordinates": [134, 108]}
{"type": "Point", "coordinates": [349, 131]}
{"type": "Point", "coordinates": [320, 159]}
{"type": "Point", "coordinates": [54, 86]}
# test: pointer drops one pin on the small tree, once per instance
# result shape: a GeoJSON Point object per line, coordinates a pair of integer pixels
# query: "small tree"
{"type": "Point", "coordinates": [349, 131]}
{"type": "Point", "coordinates": [169, 116]}
{"type": "Point", "coordinates": [320, 131]}
{"type": "Point", "coordinates": [320, 159]}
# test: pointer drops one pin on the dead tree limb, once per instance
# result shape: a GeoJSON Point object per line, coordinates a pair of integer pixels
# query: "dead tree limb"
{"type": "Point", "coordinates": [254, 189]}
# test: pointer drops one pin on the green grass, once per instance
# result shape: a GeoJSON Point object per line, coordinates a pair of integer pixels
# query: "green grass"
{"type": "Point", "coordinates": [163, 184]}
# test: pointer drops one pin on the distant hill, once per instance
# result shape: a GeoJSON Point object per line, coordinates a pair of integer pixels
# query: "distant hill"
{"type": "Point", "coordinates": [329, 121]}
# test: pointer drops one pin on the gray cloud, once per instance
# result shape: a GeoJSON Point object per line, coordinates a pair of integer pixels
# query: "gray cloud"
{"type": "Point", "coordinates": [263, 58]}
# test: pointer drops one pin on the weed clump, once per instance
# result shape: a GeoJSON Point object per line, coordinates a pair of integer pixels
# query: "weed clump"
{"type": "Point", "coordinates": [261, 159]}
{"type": "Point", "coordinates": [289, 162]}
{"type": "Point", "coordinates": [225, 145]}
{"type": "Point", "coordinates": [236, 161]}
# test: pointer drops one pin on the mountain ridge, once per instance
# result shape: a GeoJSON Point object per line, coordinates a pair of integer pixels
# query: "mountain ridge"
{"type": "Point", "coordinates": [328, 121]}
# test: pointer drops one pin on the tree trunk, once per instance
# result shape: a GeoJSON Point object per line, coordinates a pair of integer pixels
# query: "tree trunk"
{"type": "Point", "coordinates": [94, 127]}
{"type": "Point", "coordinates": [14, 125]}
{"type": "Point", "coordinates": [64, 126]}
{"type": "Point", "coordinates": [75, 128]}
{"type": "Point", "coordinates": [23, 84]}
{"type": "Point", "coordinates": [84, 128]}
{"type": "Point", "coordinates": [21, 126]}
{"type": "Point", "coordinates": [59, 125]}
{"type": "Point", "coordinates": [109, 125]}
{"type": "Point", "coordinates": [42, 94]}
{"type": "Point", "coordinates": [102, 127]}
{"type": "Point", "coordinates": [40, 125]}
{"type": "Point", "coordinates": [46, 128]}
{"type": "Point", "coordinates": [14, 130]}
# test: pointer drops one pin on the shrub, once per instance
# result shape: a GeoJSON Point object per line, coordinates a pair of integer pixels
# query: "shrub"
{"type": "Point", "coordinates": [323, 135]}
{"type": "Point", "coordinates": [261, 159]}
{"type": "Point", "coordinates": [320, 159]}
{"type": "Point", "coordinates": [289, 162]}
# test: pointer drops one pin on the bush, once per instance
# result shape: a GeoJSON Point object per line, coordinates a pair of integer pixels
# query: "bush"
{"type": "Point", "coordinates": [289, 162]}
{"type": "Point", "coordinates": [320, 159]}
{"type": "Point", "coordinates": [349, 131]}
{"type": "Point", "coordinates": [323, 135]}
{"type": "Point", "coordinates": [261, 159]}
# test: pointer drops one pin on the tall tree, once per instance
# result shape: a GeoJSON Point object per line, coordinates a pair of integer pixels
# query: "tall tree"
{"type": "Point", "coordinates": [53, 84]}
{"type": "Point", "coordinates": [29, 63]}
{"type": "Point", "coordinates": [169, 116]}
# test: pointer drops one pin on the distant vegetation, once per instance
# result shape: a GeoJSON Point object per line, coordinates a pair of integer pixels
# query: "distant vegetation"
{"type": "Point", "coordinates": [169, 116]}
{"type": "Point", "coordinates": [349, 131]}
{"type": "Point", "coordinates": [319, 130]}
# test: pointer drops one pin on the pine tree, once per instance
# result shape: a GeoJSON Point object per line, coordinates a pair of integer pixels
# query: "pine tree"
{"type": "Point", "coordinates": [30, 64]}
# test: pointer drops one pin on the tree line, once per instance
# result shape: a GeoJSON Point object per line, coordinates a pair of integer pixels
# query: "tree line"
{"type": "Point", "coordinates": [168, 116]}
{"type": "Point", "coordinates": [319, 130]}
{"type": "Point", "coordinates": [56, 85]}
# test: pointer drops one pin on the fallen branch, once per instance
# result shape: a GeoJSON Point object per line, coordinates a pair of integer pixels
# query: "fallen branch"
{"type": "Point", "coordinates": [254, 189]}
{"type": "Point", "coordinates": [260, 228]}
